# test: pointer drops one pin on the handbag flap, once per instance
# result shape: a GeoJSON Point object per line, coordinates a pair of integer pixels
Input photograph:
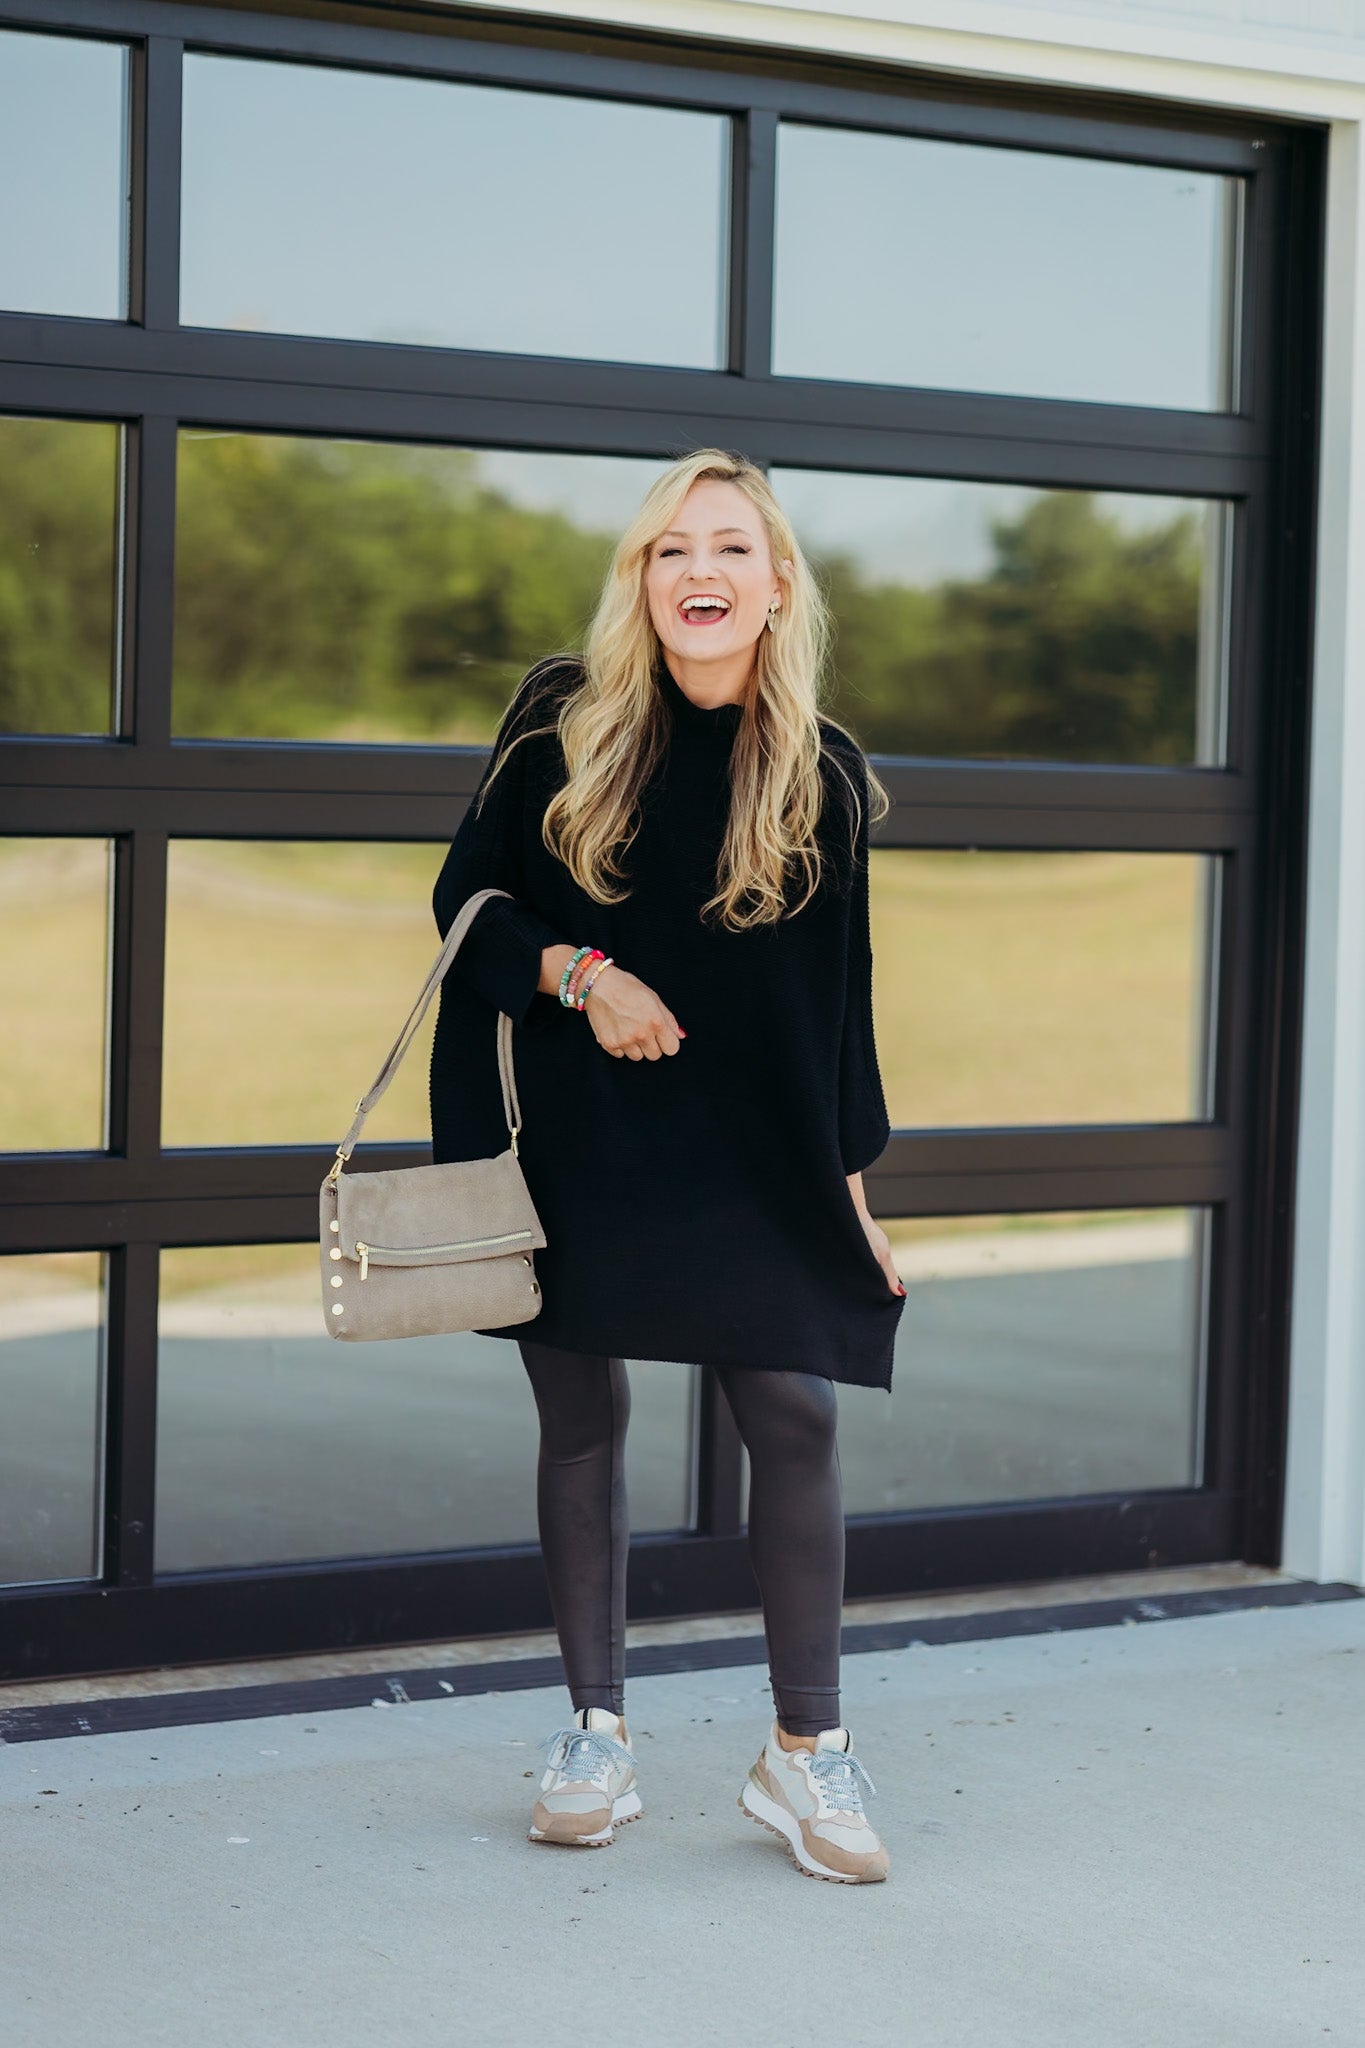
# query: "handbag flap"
{"type": "Point", "coordinates": [441, 1215]}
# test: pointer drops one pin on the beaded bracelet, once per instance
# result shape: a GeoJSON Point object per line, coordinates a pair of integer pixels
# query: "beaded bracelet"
{"type": "Point", "coordinates": [576, 978]}
{"type": "Point", "coordinates": [585, 987]}
{"type": "Point", "coordinates": [583, 953]}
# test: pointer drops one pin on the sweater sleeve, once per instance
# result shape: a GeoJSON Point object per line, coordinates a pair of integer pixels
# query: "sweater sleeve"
{"type": "Point", "coordinates": [500, 955]}
{"type": "Point", "coordinates": [864, 1126]}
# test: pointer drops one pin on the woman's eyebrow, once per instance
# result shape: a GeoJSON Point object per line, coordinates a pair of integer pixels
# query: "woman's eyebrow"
{"type": "Point", "coordinates": [678, 533]}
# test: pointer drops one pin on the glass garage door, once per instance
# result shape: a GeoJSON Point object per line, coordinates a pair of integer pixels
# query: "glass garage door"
{"type": "Point", "coordinates": [306, 459]}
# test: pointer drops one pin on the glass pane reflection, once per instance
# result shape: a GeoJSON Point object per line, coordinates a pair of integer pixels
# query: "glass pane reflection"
{"type": "Point", "coordinates": [1039, 1357]}
{"type": "Point", "coordinates": [64, 173]}
{"type": "Point", "coordinates": [1001, 622]}
{"type": "Point", "coordinates": [372, 207]}
{"type": "Point", "coordinates": [254, 933]}
{"type": "Point", "coordinates": [59, 552]}
{"type": "Point", "coordinates": [276, 1444]}
{"type": "Point", "coordinates": [1043, 988]}
{"type": "Point", "coordinates": [403, 590]}
{"type": "Point", "coordinates": [54, 943]}
{"type": "Point", "coordinates": [968, 268]}
{"type": "Point", "coordinates": [51, 1396]}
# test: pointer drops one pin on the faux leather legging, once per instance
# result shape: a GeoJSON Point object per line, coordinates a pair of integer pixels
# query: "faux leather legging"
{"type": "Point", "coordinates": [796, 1524]}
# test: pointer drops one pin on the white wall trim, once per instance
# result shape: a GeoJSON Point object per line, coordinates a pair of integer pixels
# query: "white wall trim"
{"type": "Point", "coordinates": [1312, 77]}
{"type": "Point", "coordinates": [1324, 1521]}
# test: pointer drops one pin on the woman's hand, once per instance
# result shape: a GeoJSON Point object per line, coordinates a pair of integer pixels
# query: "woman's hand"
{"type": "Point", "coordinates": [876, 1236]}
{"type": "Point", "coordinates": [628, 1019]}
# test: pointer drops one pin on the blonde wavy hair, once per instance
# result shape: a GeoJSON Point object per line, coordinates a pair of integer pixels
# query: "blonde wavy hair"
{"type": "Point", "coordinates": [613, 727]}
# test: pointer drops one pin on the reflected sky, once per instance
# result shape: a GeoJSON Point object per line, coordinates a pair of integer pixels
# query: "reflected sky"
{"type": "Point", "coordinates": [380, 208]}
{"type": "Point", "coordinates": [958, 267]}
{"type": "Point", "coordinates": [361, 205]}
{"type": "Point", "coordinates": [63, 170]}
{"type": "Point", "coordinates": [918, 530]}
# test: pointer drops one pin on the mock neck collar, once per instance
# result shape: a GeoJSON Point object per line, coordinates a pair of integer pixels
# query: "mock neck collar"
{"type": "Point", "coordinates": [721, 718]}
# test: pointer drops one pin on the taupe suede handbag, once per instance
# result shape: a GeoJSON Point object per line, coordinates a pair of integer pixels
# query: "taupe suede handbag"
{"type": "Point", "coordinates": [424, 1251]}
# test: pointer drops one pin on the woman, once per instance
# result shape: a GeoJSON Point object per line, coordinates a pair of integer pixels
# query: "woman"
{"type": "Point", "coordinates": [686, 953]}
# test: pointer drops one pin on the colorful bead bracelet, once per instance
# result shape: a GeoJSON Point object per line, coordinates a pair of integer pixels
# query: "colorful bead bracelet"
{"type": "Point", "coordinates": [589, 960]}
{"type": "Point", "coordinates": [583, 953]}
{"type": "Point", "coordinates": [590, 975]}
{"type": "Point", "coordinates": [579, 975]}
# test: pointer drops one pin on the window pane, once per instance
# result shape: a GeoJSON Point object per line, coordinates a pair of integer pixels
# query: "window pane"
{"type": "Point", "coordinates": [51, 1395]}
{"type": "Point", "coordinates": [352, 590]}
{"type": "Point", "coordinates": [59, 555]}
{"type": "Point", "coordinates": [54, 944]}
{"type": "Point", "coordinates": [1043, 988]}
{"type": "Point", "coordinates": [276, 1443]}
{"type": "Point", "coordinates": [965, 268]}
{"type": "Point", "coordinates": [1040, 1357]}
{"type": "Point", "coordinates": [64, 173]}
{"type": "Point", "coordinates": [257, 936]}
{"type": "Point", "coordinates": [379, 208]}
{"type": "Point", "coordinates": [1000, 622]}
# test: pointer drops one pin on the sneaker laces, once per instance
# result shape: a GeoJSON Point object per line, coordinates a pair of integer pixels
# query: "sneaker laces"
{"type": "Point", "coordinates": [583, 1755]}
{"type": "Point", "coordinates": [835, 1775]}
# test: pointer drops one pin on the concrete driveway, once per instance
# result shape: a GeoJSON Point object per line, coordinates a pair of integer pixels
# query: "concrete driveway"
{"type": "Point", "coordinates": [1107, 1838]}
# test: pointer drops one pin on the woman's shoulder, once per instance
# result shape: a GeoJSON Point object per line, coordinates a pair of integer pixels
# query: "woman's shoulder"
{"type": "Point", "coordinates": [531, 719]}
{"type": "Point", "coordinates": [543, 688]}
{"type": "Point", "coordinates": [838, 741]}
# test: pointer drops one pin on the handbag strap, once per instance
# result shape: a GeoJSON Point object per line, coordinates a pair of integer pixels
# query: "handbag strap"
{"type": "Point", "coordinates": [468, 911]}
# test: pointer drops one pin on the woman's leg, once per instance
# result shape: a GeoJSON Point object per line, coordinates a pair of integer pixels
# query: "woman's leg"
{"type": "Point", "coordinates": [796, 1534]}
{"type": "Point", "coordinates": [584, 1404]}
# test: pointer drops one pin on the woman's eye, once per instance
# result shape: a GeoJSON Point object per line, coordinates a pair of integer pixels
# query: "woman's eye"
{"type": "Point", "coordinates": [734, 549]}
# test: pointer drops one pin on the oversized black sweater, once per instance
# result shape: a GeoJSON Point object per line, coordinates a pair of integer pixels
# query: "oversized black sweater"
{"type": "Point", "coordinates": [696, 1207]}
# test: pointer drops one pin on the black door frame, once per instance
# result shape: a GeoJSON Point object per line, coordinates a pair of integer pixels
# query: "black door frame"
{"type": "Point", "coordinates": [140, 789]}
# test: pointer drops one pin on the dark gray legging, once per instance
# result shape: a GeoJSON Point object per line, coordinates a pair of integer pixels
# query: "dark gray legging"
{"type": "Point", "coordinates": [796, 1524]}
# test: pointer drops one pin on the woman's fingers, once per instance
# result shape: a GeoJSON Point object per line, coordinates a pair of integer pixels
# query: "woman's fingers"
{"type": "Point", "coordinates": [881, 1246]}
{"type": "Point", "coordinates": [629, 1020]}
{"type": "Point", "coordinates": [662, 1045]}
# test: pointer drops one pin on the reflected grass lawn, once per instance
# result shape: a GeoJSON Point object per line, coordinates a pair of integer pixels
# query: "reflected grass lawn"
{"type": "Point", "coordinates": [1038, 988]}
{"type": "Point", "coordinates": [1009, 988]}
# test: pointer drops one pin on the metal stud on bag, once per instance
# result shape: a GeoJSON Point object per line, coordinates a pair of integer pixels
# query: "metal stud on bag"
{"type": "Point", "coordinates": [423, 1251]}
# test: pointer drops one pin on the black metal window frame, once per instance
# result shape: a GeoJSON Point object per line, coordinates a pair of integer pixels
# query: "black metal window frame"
{"type": "Point", "coordinates": [139, 789]}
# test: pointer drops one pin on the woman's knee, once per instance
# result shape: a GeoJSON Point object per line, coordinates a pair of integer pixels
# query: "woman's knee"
{"type": "Point", "coordinates": [786, 1417]}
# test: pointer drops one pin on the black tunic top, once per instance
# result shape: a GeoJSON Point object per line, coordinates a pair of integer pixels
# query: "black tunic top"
{"type": "Point", "coordinates": [696, 1207]}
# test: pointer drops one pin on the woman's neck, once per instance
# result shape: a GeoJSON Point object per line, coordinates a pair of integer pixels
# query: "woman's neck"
{"type": "Point", "coordinates": [712, 683]}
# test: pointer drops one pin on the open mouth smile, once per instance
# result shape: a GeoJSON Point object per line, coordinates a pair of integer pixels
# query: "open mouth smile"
{"type": "Point", "coordinates": [705, 609]}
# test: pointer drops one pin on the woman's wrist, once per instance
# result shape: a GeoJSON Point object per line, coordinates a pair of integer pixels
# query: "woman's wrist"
{"type": "Point", "coordinates": [553, 961]}
{"type": "Point", "coordinates": [570, 972]}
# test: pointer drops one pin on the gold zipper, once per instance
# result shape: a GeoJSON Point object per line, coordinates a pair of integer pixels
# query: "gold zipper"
{"type": "Point", "coordinates": [398, 1254]}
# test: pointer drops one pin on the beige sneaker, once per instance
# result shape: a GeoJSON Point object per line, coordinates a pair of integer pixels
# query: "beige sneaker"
{"type": "Point", "coordinates": [811, 1798]}
{"type": "Point", "coordinates": [589, 1782]}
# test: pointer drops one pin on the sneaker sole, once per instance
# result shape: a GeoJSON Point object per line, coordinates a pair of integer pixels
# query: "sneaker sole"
{"type": "Point", "coordinates": [779, 1822]}
{"type": "Point", "coordinates": [628, 1807]}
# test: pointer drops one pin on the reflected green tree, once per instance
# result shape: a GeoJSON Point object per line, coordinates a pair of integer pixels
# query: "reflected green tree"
{"type": "Point", "coordinates": [58, 530]}
{"type": "Point", "coordinates": [371, 592]}
{"type": "Point", "coordinates": [1080, 643]}
{"type": "Point", "coordinates": [362, 592]}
